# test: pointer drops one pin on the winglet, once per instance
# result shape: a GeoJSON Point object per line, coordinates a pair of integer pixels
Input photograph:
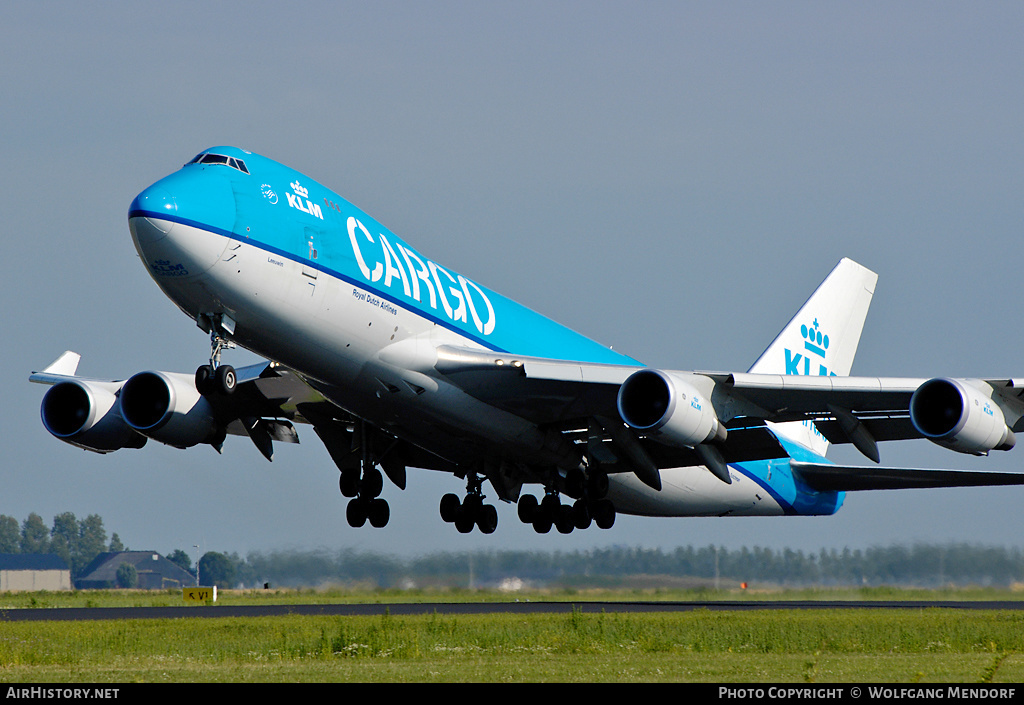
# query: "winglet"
{"type": "Point", "coordinates": [66, 364]}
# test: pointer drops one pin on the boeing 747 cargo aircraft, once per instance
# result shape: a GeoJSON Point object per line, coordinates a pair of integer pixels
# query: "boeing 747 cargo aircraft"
{"type": "Point", "coordinates": [398, 362]}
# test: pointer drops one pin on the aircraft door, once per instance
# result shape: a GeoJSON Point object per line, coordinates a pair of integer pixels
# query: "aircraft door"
{"type": "Point", "coordinates": [314, 238]}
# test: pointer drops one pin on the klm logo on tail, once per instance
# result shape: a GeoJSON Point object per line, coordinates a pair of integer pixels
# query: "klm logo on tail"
{"type": "Point", "coordinates": [816, 344]}
{"type": "Point", "coordinates": [821, 340]}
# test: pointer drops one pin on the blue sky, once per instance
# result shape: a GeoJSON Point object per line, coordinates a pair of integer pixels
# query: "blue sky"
{"type": "Point", "coordinates": [671, 179]}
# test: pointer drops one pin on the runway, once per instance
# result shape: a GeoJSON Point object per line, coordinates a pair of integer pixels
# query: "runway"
{"type": "Point", "coordinates": [457, 608]}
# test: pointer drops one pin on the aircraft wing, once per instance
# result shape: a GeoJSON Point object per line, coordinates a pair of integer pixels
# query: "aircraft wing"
{"type": "Point", "coordinates": [541, 390]}
{"type": "Point", "coordinates": [263, 389]}
{"type": "Point", "coordinates": [858, 410]}
{"type": "Point", "coordinates": [555, 391]}
{"type": "Point", "coordinates": [850, 478]}
{"type": "Point", "coordinates": [98, 414]}
{"type": "Point", "coordinates": [264, 402]}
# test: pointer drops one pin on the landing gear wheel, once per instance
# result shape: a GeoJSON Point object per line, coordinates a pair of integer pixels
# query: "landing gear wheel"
{"type": "Point", "coordinates": [372, 483]}
{"type": "Point", "coordinates": [487, 519]}
{"type": "Point", "coordinates": [542, 522]}
{"type": "Point", "coordinates": [472, 504]}
{"type": "Point", "coordinates": [464, 523]}
{"type": "Point", "coordinates": [563, 519]}
{"type": "Point", "coordinates": [549, 506]}
{"type": "Point", "coordinates": [450, 507]}
{"type": "Point", "coordinates": [581, 518]}
{"type": "Point", "coordinates": [226, 379]}
{"type": "Point", "coordinates": [205, 383]}
{"type": "Point", "coordinates": [527, 508]}
{"type": "Point", "coordinates": [604, 514]}
{"type": "Point", "coordinates": [348, 483]}
{"type": "Point", "coordinates": [356, 513]}
{"type": "Point", "coordinates": [379, 513]}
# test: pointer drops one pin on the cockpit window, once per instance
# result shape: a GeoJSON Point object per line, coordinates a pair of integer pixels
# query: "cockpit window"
{"type": "Point", "coordinates": [208, 158]}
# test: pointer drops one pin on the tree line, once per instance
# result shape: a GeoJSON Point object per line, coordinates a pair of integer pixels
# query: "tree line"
{"type": "Point", "coordinates": [78, 542]}
{"type": "Point", "coordinates": [925, 565]}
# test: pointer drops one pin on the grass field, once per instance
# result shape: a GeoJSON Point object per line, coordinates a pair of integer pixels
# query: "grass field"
{"type": "Point", "coordinates": [824, 646]}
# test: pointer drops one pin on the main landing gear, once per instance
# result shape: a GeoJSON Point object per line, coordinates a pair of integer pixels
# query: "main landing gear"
{"type": "Point", "coordinates": [471, 511]}
{"type": "Point", "coordinates": [590, 507]}
{"type": "Point", "coordinates": [366, 502]}
{"type": "Point", "coordinates": [363, 482]}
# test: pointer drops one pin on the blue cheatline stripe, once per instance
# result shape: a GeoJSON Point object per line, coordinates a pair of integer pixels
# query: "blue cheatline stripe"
{"type": "Point", "coordinates": [812, 502]}
{"type": "Point", "coordinates": [319, 267]}
{"type": "Point", "coordinates": [762, 482]}
{"type": "Point", "coordinates": [556, 342]}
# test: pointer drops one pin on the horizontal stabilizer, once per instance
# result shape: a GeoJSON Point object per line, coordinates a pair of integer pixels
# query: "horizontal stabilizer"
{"type": "Point", "coordinates": [851, 478]}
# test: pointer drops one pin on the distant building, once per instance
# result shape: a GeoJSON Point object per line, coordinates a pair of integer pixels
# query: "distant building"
{"type": "Point", "coordinates": [153, 570]}
{"type": "Point", "coordinates": [33, 571]}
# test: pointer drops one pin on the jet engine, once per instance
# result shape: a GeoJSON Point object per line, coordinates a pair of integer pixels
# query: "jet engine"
{"type": "Point", "coordinates": [667, 404]}
{"type": "Point", "coordinates": [87, 415]}
{"type": "Point", "coordinates": [168, 408]}
{"type": "Point", "coordinates": [960, 416]}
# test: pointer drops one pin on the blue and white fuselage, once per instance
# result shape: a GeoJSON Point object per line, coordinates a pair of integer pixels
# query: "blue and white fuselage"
{"type": "Point", "coordinates": [295, 273]}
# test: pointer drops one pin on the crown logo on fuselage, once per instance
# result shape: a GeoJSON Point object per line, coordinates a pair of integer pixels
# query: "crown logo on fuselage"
{"type": "Point", "coordinates": [295, 200]}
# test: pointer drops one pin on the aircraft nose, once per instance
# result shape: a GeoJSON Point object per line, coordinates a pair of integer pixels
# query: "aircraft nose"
{"type": "Point", "coordinates": [154, 202]}
{"type": "Point", "coordinates": [155, 199]}
{"type": "Point", "coordinates": [179, 223]}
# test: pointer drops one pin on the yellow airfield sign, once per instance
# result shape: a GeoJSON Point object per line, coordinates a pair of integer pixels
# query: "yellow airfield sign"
{"type": "Point", "coordinates": [199, 594]}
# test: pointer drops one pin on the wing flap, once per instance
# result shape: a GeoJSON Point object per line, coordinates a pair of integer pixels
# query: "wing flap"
{"type": "Point", "coordinates": [799, 397]}
{"type": "Point", "coordinates": [542, 390]}
{"type": "Point", "coordinates": [742, 445]}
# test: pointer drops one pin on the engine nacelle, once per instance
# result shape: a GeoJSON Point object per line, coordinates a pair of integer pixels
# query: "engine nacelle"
{"type": "Point", "coordinates": [664, 403]}
{"type": "Point", "coordinates": [960, 416]}
{"type": "Point", "coordinates": [87, 415]}
{"type": "Point", "coordinates": [168, 408]}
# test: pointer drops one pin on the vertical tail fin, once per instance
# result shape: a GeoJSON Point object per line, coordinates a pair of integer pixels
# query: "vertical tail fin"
{"type": "Point", "coordinates": [821, 339]}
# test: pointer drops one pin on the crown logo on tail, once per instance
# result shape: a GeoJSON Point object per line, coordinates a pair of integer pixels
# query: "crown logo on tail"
{"type": "Point", "coordinates": [814, 340]}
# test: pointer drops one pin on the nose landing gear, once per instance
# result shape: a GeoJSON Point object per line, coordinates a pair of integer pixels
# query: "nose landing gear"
{"type": "Point", "coordinates": [216, 378]}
